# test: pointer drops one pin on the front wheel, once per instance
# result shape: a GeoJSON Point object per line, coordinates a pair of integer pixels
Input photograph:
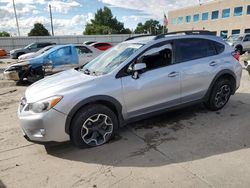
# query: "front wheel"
{"type": "Point", "coordinates": [220, 95]}
{"type": "Point", "coordinates": [93, 125]}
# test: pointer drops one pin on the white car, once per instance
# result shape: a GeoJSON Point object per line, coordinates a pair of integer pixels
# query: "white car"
{"type": "Point", "coordinates": [34, 54]}
{"type": "Point", "coordinates": [241, 43]}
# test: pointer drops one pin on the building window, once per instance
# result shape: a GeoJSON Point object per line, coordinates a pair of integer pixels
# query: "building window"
{"type": "Point", "coordinates": [248, 10]}
{"type": "Point", "coordinates": [224, 34]}
{"type": "Point", "coordinates": [214, 33]}
{"type": "Point", "coordinates": [215, 15]}
{"type": "Point", "coordinates": [247, 30]}
{"type": "Point", "coordinates": [205, 16]}
{"type": "Point", "coordinates": [238, 11]}
{"type": "Point", "coordinates": [188, 19]}
{"type": "Point", "coordinates": [235, 31]}
{"type": "Point", "coordinates": [226, 13]}
{"type": "Point", "coordinates": [196, 17]}
{"type": "Point", "coordinates": [180, 20]}
{"type": "Point", "coordinates": [173, 21]}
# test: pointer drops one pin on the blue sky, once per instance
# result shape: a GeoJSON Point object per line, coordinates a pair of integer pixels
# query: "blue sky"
{"type": "Point", "coordinates": [71, 16]}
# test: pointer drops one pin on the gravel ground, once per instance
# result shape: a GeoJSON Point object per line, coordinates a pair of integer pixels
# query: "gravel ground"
{"type": "Point", "coordinates": [191, 147]}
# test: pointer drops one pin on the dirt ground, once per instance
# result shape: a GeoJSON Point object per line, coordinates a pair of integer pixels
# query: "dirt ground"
{"type": "Point", "coordinates": [191, 147]}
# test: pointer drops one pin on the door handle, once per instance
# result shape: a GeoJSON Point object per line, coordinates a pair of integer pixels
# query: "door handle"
{"type": "Point", "coordinates": [213, 63]}
{"type": "Point", "coordinates": [173, 74]}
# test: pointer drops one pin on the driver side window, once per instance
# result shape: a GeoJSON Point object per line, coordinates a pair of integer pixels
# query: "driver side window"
{"type": "Point", "coordinates": [155, 57]}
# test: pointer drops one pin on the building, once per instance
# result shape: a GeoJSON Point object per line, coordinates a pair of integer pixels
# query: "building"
{"type": "Point", "coordinates": [223, 17]}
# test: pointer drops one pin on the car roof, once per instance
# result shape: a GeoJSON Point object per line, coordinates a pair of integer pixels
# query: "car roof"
{"type": "Point", "coordinates": [153, 39]}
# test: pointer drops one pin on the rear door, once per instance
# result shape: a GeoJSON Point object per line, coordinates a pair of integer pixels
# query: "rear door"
{"type": "Point", "coordinates": [199, 63]}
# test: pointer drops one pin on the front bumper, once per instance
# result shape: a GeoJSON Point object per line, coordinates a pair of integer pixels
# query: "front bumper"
{"type": "Point", "coordinates": [43, 127]}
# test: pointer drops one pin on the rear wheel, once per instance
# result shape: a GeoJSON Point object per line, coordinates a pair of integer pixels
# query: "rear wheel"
{"type": "Point", "coordinates": [93, 125]}
{"type": "Point", "coordinates": [220, 95]}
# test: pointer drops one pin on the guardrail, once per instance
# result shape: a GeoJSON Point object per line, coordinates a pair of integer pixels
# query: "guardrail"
{"type": "Point", "coordinates": [10, 43]}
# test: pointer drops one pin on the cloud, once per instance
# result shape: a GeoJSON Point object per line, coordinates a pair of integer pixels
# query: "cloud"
{"type": "Point", "coordinates": [155, 9]}
{"type": "Point", "coordinates": [62, 6]}
{"type": "Point", "coordinates": [62, 26]}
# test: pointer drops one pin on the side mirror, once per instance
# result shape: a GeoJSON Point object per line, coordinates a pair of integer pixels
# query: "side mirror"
{"type": "Point", "coordinates": [138, 67]}
{"type": "Point", "coordinates": [29, 48]}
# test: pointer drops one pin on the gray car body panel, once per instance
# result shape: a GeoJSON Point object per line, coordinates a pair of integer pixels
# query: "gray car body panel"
{"type": "Point", "coordinates": [137, 97]}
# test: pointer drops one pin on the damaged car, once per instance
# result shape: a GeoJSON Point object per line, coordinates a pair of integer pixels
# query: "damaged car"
{"type": "Point", "coordinates": [54, 60]}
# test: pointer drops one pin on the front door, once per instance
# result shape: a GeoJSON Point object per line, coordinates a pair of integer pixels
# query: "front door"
{"type": "Point", "coordinates": [157, 87]}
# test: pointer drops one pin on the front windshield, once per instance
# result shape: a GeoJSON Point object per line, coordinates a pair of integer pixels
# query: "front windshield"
{"type": "Point", "coordinates": [234, 38]}
{"type": "Point", "coordinates": [111, 59]}
{"type": "Point", "coordinates": [41, 51]}
{"type": "Point", "coordinates": [30, 46]}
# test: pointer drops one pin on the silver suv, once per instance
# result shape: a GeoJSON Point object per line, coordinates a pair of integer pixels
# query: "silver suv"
{"type": "Point", "coordinates": [240, 42]}
{"type": "Point", "coordinates": [135, 79]}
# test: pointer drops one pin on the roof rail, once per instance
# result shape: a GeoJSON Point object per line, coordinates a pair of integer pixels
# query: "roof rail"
{"type": "Point", "coordinates": [139, 36]}
{"type": "Point", "coordinates": [188, 32]}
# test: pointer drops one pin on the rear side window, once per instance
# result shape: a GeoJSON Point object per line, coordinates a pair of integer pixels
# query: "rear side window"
{"type": "Point", "coordinates": [42, 45]}
{"type": "Point", "coordinates": [82, 50]}
{"type": "Point", "coordinates": [219, 47]}
{"type": "Point", "coordinates": [191, 49]}
{"type": "Point", "coordinates": [247, 38]}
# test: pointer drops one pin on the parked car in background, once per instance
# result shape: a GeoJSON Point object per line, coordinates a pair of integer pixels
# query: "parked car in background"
{"type": "Point", "coordinates": [133, 80]}
{"type": "Point", "coordinates": [34, 54]}
{"type": "Point", "coordinates": [57, 58]}
{"type": "Point", "coordinates": [33, 47]}
{"type": "Point", "coordinates": [102, 45]}
{"type": "Point", "coordinates": [88, 42]}
{"type": "Point", "coordinates": [240, 42]}
{"type": "Point", "coordinates": [2, 52]}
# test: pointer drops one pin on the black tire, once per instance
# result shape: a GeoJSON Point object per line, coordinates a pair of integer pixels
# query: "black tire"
{"type": "Point", "coordinates": [88, 133]}
{"type": "Point", "coordinates": [219, 95]}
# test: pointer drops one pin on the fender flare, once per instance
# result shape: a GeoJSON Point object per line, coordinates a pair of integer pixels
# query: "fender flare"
{"type": "Point", "coordinates": [222, 73]}
{"type": "Point", "coordinates": [101, 99]}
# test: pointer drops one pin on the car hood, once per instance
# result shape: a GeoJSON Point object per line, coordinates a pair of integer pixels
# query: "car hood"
{"type": "Point", "coordinates": [26, 56]}
{"type": "Point", "coordinates": [57, 84]}
{"type": "Point", "coordinates": [16, 50]}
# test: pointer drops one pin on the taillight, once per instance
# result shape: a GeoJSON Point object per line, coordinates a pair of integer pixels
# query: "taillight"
{"type": "Point", "coordinates": [236, 55]}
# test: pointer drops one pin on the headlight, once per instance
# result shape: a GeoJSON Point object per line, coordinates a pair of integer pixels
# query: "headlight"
{"type": "Point", "coordinates": [45, 104]}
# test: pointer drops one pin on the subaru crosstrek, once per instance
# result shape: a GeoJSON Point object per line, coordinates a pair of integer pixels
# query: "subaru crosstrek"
{"type": "Point", "coordinates": [136, 79]}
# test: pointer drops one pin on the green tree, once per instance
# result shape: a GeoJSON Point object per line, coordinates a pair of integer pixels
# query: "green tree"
{"type": "Point", "coordinates": [150, 26]}
{"type": "Point", "coordinates": [105, 23]}
{"type": "Point", "coordinates": [39, 30]}
{"type": "Point", "coordinates": [4, 34]}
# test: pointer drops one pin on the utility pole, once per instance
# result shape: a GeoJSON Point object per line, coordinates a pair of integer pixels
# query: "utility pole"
{"type": "Point", "coordinates": [51, 22]}
{"type": "Point", "coordinates": [14, 6]}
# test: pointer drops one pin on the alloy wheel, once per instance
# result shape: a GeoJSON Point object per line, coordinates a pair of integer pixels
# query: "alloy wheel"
{"type": "Point", "coordinates": [222, 96]}
{"type": "Point", "coordinates": [97, 129]}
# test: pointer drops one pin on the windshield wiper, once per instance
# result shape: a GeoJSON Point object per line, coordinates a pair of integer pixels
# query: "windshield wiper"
{"type": "Point", "coordinates": [86, 71]}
